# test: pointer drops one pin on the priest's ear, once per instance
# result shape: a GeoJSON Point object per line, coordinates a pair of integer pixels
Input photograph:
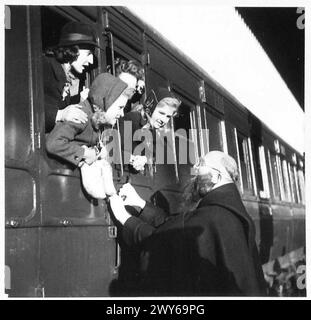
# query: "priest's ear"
{"type": "Point", "coordinates": [215, 178]}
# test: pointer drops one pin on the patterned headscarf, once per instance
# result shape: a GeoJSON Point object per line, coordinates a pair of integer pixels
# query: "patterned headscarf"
{"type": "Point", "coordinates": [154, 97]}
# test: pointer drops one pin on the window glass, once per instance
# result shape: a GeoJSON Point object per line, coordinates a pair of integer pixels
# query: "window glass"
{"type": "Point", "coordinates": [244, 164]}
{"type": "Point", "coordinates": [258, 167]}
{"type": "Point", "coordinates": [301, 184]}
{"type": "Point", "coordinates": [214, 131]}
{"type": "Point", "coordinates": [185, 147]}
{"type": "Point", "coordinates": [287, 194]}
{"type": "Point", "coordinates": [274, 176]}
{"type": "Point", "coordinates": [52, 23]}
{"type": "Point", "coordinates": [261, 170]}
{"type": "Point", "coordinates": [194, 136]}
{"type": "Point", "coordinates": [293, 181]}
{"type": "Point", "coordinates": [202, 135]}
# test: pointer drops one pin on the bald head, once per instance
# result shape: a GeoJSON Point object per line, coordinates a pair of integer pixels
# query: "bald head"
{"type": "Point", "coordinates": [221, 162]}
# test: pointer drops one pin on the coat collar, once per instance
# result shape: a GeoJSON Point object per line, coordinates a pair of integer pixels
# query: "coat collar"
{"type": "Point", "coordinates": [58, 70]}
{"type": "Point", "coordinates": [228, 197]}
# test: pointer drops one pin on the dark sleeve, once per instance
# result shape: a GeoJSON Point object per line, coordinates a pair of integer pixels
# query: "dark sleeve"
{"type": "Point", "coordinates": [60, 141]}
{"type": "Point", "coordinates": [52, 97]}
{"type": "Point", "coordinates": [135, 231]}
{"type": "Point", "coordinates": [153, 215]}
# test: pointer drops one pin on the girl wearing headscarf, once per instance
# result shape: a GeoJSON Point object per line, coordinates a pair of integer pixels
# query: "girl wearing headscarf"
{"type": "Point", "coordinates": [81, 144]}
{"type": "Point", "coordinates": [159, 108]}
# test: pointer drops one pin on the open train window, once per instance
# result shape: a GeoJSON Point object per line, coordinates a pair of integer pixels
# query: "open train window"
{"type": "Point", "coordinates": [51, 26]}
{"type": "Point", "coordinates": [244, 162]}
{"type": "Point", "coordinates": [52, 23]}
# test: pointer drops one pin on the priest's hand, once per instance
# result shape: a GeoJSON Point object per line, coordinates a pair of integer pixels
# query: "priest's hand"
{"type": "Point", "coordinates": [130, 196]}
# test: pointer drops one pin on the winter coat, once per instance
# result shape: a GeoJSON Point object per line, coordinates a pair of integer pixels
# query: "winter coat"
{"type": "Point", "coordinates": [54, 80]}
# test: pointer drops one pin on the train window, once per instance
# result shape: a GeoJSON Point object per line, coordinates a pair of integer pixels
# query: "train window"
{"type": "Point", "coordinates": [301, 184]}
{"type": "Point", "coordinates": [224, 136]}
{"type": "Point", "coordinates": [262, 172]}
{"type": "Point", "coordinates": [250, 148]}
{"type": "Point", "coordinates": [275, 176]}
{"type": "Point", "coordinates": [203, 143]}
{"type": "Point", "coordinates": [244, 162]}
{"type": "Point", "coordinates": [200, 131]}
{"type": "Point", "coordinates": [182, 123]}
{"type": "Point", "coordinates": [287, 193]}
{"type": "Point", "coordinates": [215, 138]}
{"type": "Point", "coordinates": [184, 146]}
{"type": "Point", "coordinates": [194, 136]}
{"type": "Point", "coordinates": [186, 136]}
{"type": "Point", "coordinates": [294, 183]}
{"type": "Point", "coordinates": [52, 23]}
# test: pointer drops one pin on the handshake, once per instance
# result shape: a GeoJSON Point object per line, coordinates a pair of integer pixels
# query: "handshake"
{"type": "Point", "coordinates": [127, 196]}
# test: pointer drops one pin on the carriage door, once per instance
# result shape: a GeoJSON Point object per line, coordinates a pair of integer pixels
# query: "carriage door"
{"type": "Point", "coordinates": [79, 254]}
{"type": "Point", "coordinates": [22, 142]}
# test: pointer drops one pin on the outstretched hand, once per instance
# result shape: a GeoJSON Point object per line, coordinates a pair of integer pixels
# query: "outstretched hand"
{"type": "Point", "coordinates": [130, 196]}
{"type": "Point", "coordinates": [118, 209]}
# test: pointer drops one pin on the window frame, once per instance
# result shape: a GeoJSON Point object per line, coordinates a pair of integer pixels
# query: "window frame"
{"type": "Point", "coordinates": [250, 191]}
{"type": "Point", "coordinates": [265, 193]}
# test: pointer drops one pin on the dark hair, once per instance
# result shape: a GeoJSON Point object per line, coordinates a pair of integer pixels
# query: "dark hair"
{"type": "Point", "coordinates": [132, 67]}
{"type": "Point", "coordinates": [67, 54]}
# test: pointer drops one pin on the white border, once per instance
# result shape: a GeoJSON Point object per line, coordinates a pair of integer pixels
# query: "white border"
{"type": "Point", "coordinates": [246, 3]}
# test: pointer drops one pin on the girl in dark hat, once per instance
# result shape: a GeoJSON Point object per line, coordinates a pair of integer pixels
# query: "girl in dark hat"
{"type": "Point", "coordinates": [63, 68]}
{"type": "Point", "coordinates": [159, 108]}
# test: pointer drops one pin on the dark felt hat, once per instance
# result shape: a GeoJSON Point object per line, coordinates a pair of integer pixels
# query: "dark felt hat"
{"type": "Point", "coordinates": [75, 33]}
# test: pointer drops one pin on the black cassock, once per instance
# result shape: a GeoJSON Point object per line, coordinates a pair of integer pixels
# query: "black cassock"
{"type": "Point", "coordinates": [210, 251]}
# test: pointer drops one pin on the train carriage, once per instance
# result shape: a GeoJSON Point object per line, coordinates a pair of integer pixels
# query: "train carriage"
{"type": "Point", "coordinates": [60, 241]}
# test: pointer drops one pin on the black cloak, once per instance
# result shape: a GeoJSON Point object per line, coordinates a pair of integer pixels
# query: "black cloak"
{"type": "Point", "coordinates": [210, 251]}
